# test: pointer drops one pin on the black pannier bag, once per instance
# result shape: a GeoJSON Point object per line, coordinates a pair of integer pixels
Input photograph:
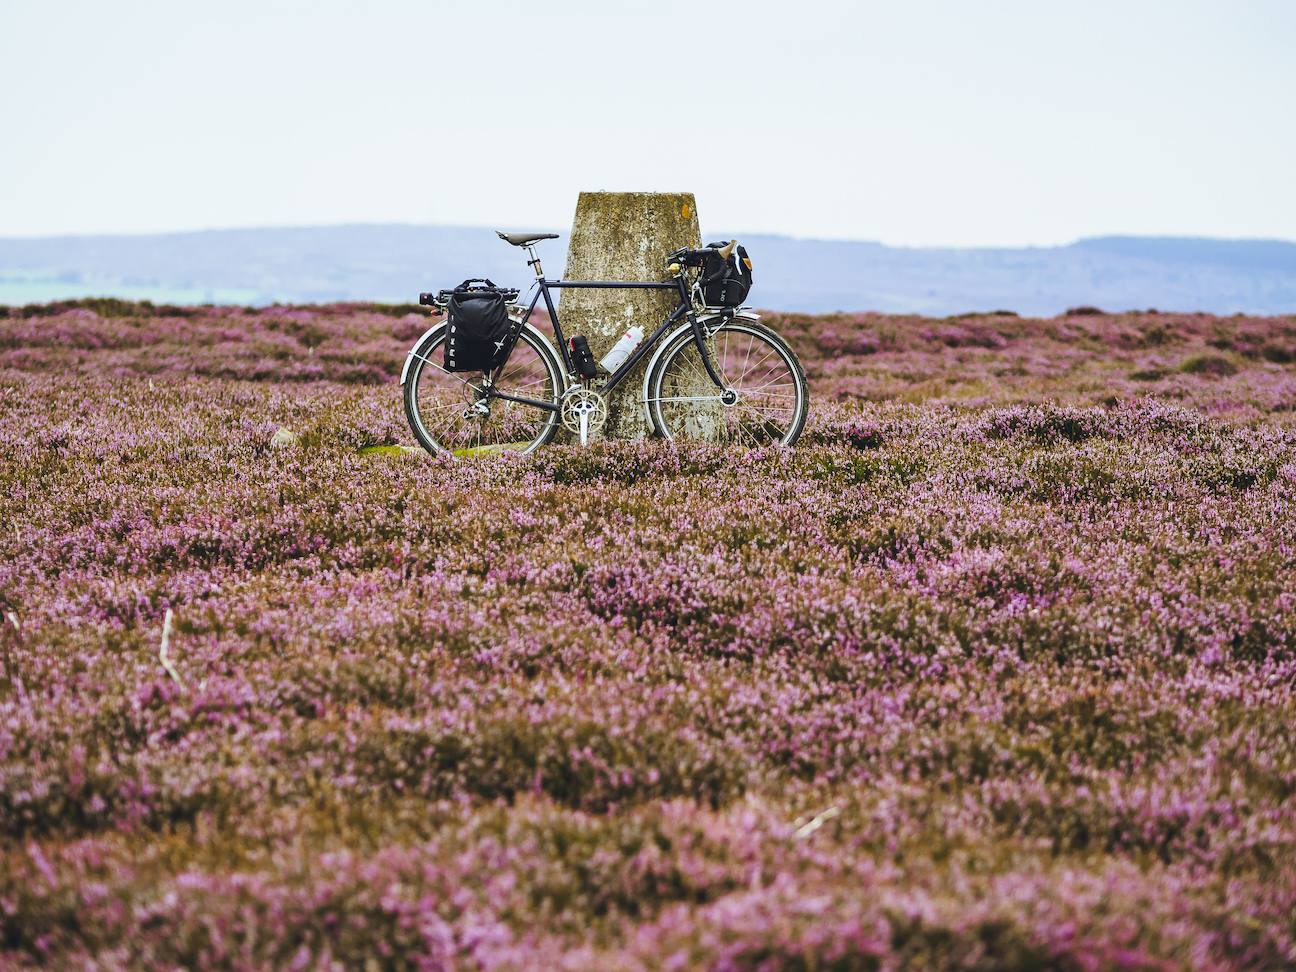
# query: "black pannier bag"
{"type": "Point", "coordinates": [725, 283]}
{"type": "Point", "coordinates": [480, 334]}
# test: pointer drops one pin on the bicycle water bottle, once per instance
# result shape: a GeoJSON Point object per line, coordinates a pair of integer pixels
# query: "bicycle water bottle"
{"type": "Point", "coordinates": [630, 340]}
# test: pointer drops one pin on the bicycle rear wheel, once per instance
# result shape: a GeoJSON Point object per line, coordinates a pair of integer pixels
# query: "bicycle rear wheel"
{"type": "Point", "coordinates": [765, 399]}
{"type": "Point", "coordinates": [452, 411]}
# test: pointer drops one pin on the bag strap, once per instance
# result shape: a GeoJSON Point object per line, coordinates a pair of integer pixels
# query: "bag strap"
{"type": "Point", "coordinates": [490, 284]}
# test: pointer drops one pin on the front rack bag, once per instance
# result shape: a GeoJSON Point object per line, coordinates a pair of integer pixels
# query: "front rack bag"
{"type": "Point", "coordinates": [480, 334]}
{"type": "Point", "coordinates": [725, 283]}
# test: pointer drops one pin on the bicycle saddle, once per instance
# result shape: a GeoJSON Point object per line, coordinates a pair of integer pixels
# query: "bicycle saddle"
{"type": "Point", "coordinates": [523, 239]}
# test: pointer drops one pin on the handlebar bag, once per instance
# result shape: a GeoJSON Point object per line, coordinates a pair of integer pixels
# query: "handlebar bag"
{"type": "Point", "coordinates": [480, 332]}
{"type": "Point", "coordinates": [725, 283]}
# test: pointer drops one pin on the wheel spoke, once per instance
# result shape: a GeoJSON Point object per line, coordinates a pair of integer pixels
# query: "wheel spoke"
{"type": "Point", "coordinates": [439, 404]}
{"type": "Point", "coordinates": [754, 364]}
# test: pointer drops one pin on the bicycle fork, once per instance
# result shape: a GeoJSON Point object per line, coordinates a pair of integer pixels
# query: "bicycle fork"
{"type": "Point", "coordinates": [700, 336]}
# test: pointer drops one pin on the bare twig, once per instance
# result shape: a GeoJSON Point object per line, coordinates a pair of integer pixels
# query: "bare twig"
{"type": "Point", "coordinates": [807, 829]}
{"type": "Point", "coordinates": [13, 620]}
{"type": "Point", "coordinates": [162, 654]}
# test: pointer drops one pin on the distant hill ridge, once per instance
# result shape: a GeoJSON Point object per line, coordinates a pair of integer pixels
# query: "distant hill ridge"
{"type": "Point", "coordinates": [394, 262]}
{"type": "Point", "coordinates": [1254, 254]}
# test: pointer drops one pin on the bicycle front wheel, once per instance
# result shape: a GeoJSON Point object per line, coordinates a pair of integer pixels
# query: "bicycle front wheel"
{"type": "Point", "coordinates": [765, 399]}
{"type": "Point", "coordinates": [455, 412]}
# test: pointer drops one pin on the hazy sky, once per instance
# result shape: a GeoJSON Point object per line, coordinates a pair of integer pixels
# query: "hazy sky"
{"type": "Point", "coordinates": [914, 122]}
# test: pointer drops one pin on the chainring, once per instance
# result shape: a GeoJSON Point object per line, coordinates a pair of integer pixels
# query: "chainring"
{"type": "Point", "coordinates": [591, 404]}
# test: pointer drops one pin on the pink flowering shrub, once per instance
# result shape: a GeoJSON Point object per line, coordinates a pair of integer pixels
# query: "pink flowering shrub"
{"type": "Point", "coordinates": [1003, 680]}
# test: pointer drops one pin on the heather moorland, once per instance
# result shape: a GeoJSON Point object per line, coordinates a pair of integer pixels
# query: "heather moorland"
{"type": "Point", "coordinates": [995, 670]}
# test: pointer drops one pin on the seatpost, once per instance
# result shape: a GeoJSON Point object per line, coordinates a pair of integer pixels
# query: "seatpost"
{"type": "Point", "coordinates": [534, 261]}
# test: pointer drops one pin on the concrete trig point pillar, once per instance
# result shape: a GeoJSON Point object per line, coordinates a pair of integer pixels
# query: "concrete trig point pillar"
{"type": "Point", "coordinates": [624, 236]}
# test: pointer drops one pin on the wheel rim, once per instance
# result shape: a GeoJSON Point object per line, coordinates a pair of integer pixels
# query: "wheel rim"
{"type": "Point", "coordinates": [763, 400]}
{"type": "Point", "coordinates": [449, 412]}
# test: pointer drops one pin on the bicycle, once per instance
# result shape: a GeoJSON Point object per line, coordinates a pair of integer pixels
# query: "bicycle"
{"type": "Point", "coordinates": [716, 374]}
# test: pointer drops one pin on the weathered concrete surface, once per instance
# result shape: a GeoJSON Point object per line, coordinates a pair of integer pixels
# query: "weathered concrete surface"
{"type": "Point", "coordinates": [624, 236]}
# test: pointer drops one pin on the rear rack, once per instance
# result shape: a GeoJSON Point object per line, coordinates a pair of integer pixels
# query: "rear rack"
{"type": "Point", "coordinates": [442, 297]}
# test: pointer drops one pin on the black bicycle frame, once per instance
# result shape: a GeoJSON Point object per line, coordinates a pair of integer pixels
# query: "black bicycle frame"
{"type": "Point", "coordinates": [684, 309]}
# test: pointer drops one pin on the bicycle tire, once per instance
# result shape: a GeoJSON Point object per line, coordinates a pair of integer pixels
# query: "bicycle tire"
{"type": "Point", "coordinates": [771, 398]}
{"type": "Point", "coordinates": [442, 407]}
